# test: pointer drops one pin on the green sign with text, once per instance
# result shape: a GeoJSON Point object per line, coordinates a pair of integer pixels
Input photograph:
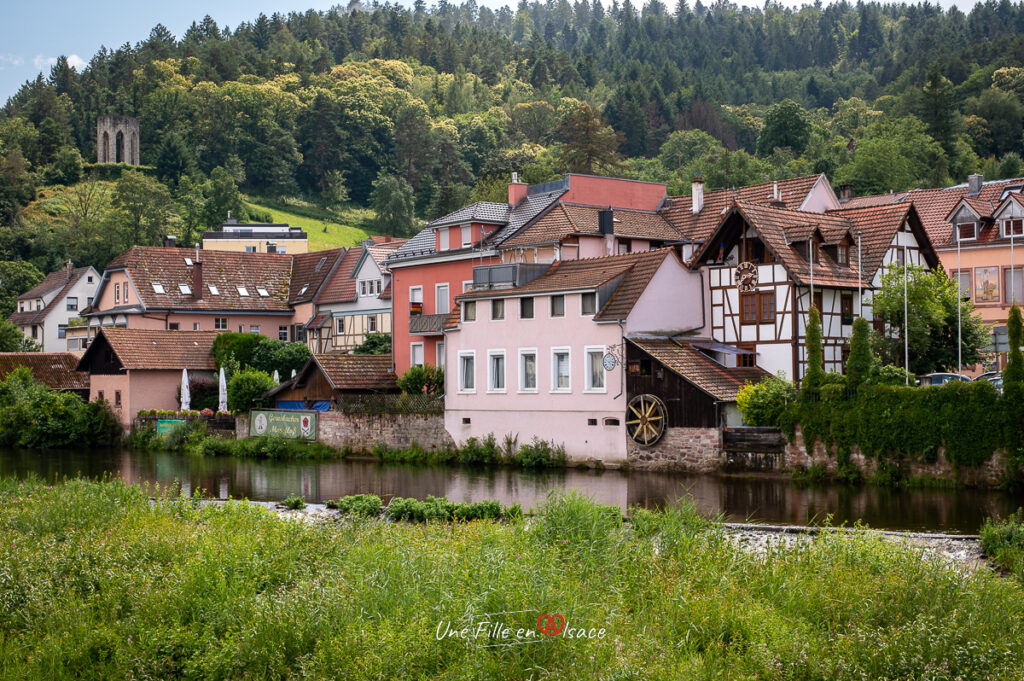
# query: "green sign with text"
{"type": "Point", "coordinates": [299, 425]}
{"type": "Point", "coordinates": [164, 426]}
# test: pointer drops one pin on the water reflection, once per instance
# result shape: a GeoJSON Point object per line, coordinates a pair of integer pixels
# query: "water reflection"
{"type": "Point", "coordinates": [768, 499]}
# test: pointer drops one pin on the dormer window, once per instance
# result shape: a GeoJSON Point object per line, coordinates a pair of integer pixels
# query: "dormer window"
{"type": "Point", "coordinates": [242, 291]}
{"type": "Point", "coordinates": [1013, 227]}
{"type": "Point", "coordinates": [843, 254]}
{"type": "Point", "coordinates": [157, 288]}
{"type": "Point", "coordinates": [185, 289]}
{"type": "Point", "coordinates": [967, 231]}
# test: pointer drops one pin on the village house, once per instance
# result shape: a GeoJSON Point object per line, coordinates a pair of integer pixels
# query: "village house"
{"type": "Point", "coordinates": [356, 299]}
{"type": "Point", "coordinates": [135, 369]}
{"type": "Point", "coordinates": [327, 381]}
{"type": "Point", "coordinates": [537, 350]}
{"type": "Point", "coordinates": [58, 370]}
{"type": "Point", "coordinates": [975, 228]}
{"type": "Point", "coordinates": [44, 312]}
{"type": "Point", "coordinates": [194, 290]}
{"type": "Point", "coordinates": [766, 265]}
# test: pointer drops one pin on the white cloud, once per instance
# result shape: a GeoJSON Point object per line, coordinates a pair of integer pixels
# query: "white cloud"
{"type": "Point", "coordinates": [44, 63]}
{"type": "Point", "coordinates": [9, 60]}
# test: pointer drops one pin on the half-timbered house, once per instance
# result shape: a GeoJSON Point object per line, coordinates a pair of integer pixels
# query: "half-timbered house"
{"type": "Point", "coordinates": [766, 265]}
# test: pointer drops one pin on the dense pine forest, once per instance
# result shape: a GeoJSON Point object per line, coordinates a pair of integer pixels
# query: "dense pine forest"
{"type": "Point", "coordinates": [413, 112]}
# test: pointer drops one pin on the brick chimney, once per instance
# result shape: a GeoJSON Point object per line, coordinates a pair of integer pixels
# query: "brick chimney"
{"type": "Point", "coordinates": [197, 280]}
{"type": "Point", "coordinates": [387, 238]}
{"type": "Point", "coordinates": [697, 194]}
{"type": "Point", "coordinates": [516, 190]}
{"type": "Point", "coordinates": [68, 267]}
{"type": "Point", "coordinates": [845, 192]}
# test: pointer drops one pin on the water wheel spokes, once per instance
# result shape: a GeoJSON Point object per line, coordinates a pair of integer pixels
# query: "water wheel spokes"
{"type": "Point", "coordinates": [645, 419]}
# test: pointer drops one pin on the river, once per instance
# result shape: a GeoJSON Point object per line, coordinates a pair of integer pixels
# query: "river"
{"type": "Point", "coordinates": [737, 498]}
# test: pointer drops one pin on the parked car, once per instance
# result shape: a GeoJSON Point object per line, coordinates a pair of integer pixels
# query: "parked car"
{"type": "Point", "coordinates": [940, 379]}
{"type": "Point", "coordinates": [989, 376]}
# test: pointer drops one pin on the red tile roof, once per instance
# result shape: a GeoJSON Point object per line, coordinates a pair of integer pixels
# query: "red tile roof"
{"type": "Point", "coordinates": [358, 372]}
{"type": "Point", "coordinates": [678, 212]}
{"type": "Point", "coordinates": [61, 281]}
{"type": "Point", "coordinates": [877, 227]}
{"type": "Point", "coordinates": [341, 287]}
{"type": "Point", "coordinates": [310, 271]}
{"type": "Point", "coordinates": [55, 369]}
{"type": "Point", "coordinates": [156, 349]}
{"type": "Point", "coordinates": [568, 219]}
{"type": "Point", "coordinates": [634, 269]}
{"type": "Point", "coordinates": [721, 382]}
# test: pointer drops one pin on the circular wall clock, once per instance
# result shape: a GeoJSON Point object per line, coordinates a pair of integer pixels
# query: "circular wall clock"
{"type": "Point", "coordinates": [609, 361]}
{"type": "Point", "coordinates": [746, 277]}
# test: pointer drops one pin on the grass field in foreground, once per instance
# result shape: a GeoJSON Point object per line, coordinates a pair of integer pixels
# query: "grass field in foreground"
{"type": "Point", "coordinates": [344, 227]}
{"type": "Point", "coordinates": [97, 582]}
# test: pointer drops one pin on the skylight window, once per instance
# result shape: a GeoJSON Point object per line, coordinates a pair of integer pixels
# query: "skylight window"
{"type": "Point", "coordinates": [320, 264]}
{"type": "Point", "coordinates": [303, 291]}
{"type": "Point", "coordinates": [158, 288]}
{"type": "Point", "coordinates": [242, 291]}
{"type": "Point", "coordinates": [185, 288]}
{"type": "Point", "coordinates": [213, 290]}
{"type": "Point", "coordinates": [262, 291]}
{"type": "Point", "coordinates": [188, 261]}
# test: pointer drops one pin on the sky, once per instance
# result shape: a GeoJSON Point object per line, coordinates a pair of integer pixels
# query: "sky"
{"type": "Point", "coordinates": [34, 33]}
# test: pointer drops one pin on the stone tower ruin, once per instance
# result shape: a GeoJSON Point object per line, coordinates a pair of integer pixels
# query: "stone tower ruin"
{"type": "Point", "coordinates": [117, 140]}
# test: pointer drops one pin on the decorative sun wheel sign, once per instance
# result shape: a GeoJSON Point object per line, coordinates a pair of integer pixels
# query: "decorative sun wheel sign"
{"type": "Point", "coordinates": [645, 419]}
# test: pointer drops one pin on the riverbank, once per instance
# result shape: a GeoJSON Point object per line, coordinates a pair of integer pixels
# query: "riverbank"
{"type": "Point", "coordinates": [97, 580]}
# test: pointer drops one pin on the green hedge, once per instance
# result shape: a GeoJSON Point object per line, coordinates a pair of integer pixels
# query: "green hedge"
{"type": "Point", "coordinates": [894, 424]}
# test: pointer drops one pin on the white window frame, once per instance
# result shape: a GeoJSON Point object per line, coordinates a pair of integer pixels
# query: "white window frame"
{"type": "Point", "coordinates": [185, 289]}
{"type": "Point", "coordinates": [447, 295]}
{"type": "Point", "coordinates": [416, 292]}
{"type": "Point", "coordinates": [339, 325]}
{"type": "Point", "coordinates": [218, 326]}
{"type": "Point", "coordinates": [371, 323]}
{"type": "Point", "coordinates": [533, 303]}
{"type": "Point", "coordinates": [467, 286]}
{"type": "Point", "coordinates": [443, 239]}
{"type": "Point", "coordinates": [214, 290]}
{"type": "Point", "coordinates": [195, 326]}
{"type": "Point", "coordinates": [587, 387]}
{"type": "Point", "coordinates": [254, 328]}
{"type": "Point", "coordinates": [503, 315]}
{"type": "Point", "coordinates": [554, 369]}
{"type": "Point", "coordinates": [584, 295]}
{"type": "Point", "coordinates": [504, 371]}
{"type": "Point", "coordinates": [412, 355]}
{"type": "Point", "coordinates": [960, 238]}
{"type": "Point", "coordinates": [466, 305]}
{"type": "Point", "coordinates": [439, 358]}
{"type": "Point", "coordinates": [1006, 228]}
{"type": "Point", "coordinates": [158, 288]}
{"type": "Point", "coordinates": [551, 306]}
{"type": "Point", "coordinates": [243, 291]}
{"type": "Point", "coordinates": [467, 236]}
{"type": "Point", "coordinates": [117, 293]}
{"type": "Point", "coordinates": [522, 370]}
{"type": "Point", "coordinates": [462, 378]}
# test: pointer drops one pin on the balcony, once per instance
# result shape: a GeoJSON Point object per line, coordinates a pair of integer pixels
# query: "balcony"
{"type": "Point", "coordinates": [491, 277]}
{"type": "Point", "coordinates": [427, 324]}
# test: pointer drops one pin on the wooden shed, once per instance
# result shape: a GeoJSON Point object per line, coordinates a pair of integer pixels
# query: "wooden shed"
{"type": "Point", "coordinates": [327, 379]}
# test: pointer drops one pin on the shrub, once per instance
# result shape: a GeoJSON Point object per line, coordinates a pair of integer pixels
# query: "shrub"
{"type": "Point", "coordinates": [238, 345]}
{"type": "Point", "coordinates": [1014, 371]}
{"type": "Point", "coordinates": [375, 344]}
{"type": "Point", "coordinates": [1003, 542]}
{"type": "Point", "coordinates": [271, 354]}
{"type": "Point", "coordinates": [480, 453]}
{"type": "Point", "coordinates": [540, 454]}
{"type": "Point", "coordinates": [366, 505]}
{"type": "Point", "coordinates": [295, 502]}
{"type": "Point", "coordinates": [762, 404]}
{"type": "Point", "coordinates": [422, 379]}
{"type": "Point", "coordinates": [246, 389]}
{"type": "Point", "coordinates": [815, 351]}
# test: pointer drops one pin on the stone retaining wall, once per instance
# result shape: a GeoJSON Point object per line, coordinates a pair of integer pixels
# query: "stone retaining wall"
{"type": "Point", "coordinates": [695, 450]}
{"type": "Point", "coordinates": [363, 432]}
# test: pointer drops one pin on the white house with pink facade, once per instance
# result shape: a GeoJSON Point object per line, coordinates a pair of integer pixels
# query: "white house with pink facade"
{"type": "Point", "coordinates": [537, 350]}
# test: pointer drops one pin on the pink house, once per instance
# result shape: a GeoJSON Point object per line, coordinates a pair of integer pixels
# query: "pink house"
{"type": "Point", "coordinates": [178, 289]}
{"type": "Point", "coordinates": [136, 369]}
{"type": "Point", "coordinates": [537, 350]}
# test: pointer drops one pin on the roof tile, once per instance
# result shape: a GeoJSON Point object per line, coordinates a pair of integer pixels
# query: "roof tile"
{"type": "Point", "coordinates": [719, 381]}
{"type": "Point", "coordinates": [55, 369]}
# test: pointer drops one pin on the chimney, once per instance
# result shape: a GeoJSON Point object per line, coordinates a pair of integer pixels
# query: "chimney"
{"type": "Point", "coordinates": [845, 192]}
{"type": "Point", "coordinates": [606, 221]}
{"type": "Point", "coordinates": [974, 184]}
{"type": "Point", "coordinates": [170, 241]}
{"type": "Point", "coordinates": [516, 190]}
{"type": "Point", "coordinates": [197, 280]}
{"type": "Point", "coordinates": [775, 192]}
{"type": "Point", "coordinates": [697, 194]}
{"type": "Point", "coordinates": [68, 267]}
{"type": "Point", "coordinates": [387, 238]}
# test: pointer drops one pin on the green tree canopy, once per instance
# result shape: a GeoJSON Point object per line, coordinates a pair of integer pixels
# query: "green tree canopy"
{"type": "Point", "coordinates": [16, 277]}
{"type": "Point", "coordinates": [785, 125]}
{"type": "Point", "coordinates": [392, 199]}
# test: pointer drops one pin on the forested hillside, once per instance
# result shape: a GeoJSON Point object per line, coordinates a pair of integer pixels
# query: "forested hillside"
{"type": "Point", "coordinates": [414, 112]}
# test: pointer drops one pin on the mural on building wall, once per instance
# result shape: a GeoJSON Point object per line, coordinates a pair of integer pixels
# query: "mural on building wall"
{"type": "Point", "coordinates": [987, 286]}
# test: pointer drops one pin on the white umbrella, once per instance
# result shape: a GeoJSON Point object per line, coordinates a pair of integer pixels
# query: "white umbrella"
{"type": "Point", "coordinates": [277, 378]}
{"type": "Point", "coordinates": [186, 396]}
{"type": "Point", "coordinates": [222, 393]}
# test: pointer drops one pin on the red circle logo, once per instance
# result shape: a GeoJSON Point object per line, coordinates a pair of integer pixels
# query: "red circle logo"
{"type": "Point", "coordinates": [551, 625]}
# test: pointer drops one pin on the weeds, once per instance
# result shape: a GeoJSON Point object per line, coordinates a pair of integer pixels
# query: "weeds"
{"type": "Point", "coordinates": [295, 502]}
{"type": "Point", "coordinates": [1003, 542]}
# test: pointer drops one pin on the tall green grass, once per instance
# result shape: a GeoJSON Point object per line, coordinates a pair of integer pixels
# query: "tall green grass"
{"type": "Point", "coordinates": [98, 582]}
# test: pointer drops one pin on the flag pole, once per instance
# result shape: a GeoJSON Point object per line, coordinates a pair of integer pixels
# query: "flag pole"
{"type": "Point", "coordinates": [906, 319]}
{"type": "Point", "coordinates": [860, 287]}
{"type": "Point", "coordinates": [959, 306]}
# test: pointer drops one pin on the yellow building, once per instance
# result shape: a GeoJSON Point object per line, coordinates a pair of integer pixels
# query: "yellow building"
{"type": "Point", "coordinates": [256, 238]}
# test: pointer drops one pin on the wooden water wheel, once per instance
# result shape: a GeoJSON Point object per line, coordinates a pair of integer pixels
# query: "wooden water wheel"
{"type": "Point", "coordinates": [645, 419]}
